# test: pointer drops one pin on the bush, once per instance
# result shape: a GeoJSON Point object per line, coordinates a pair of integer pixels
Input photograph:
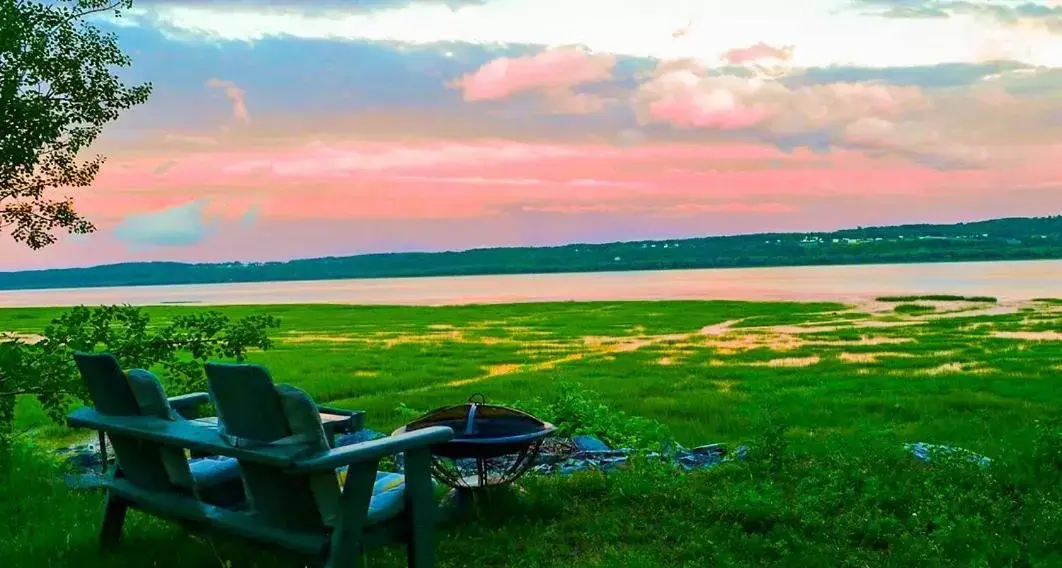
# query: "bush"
{"type": "Point", "coordinates": [45, 369]}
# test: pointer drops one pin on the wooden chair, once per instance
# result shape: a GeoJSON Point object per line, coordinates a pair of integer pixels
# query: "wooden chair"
{"type": "Point", "coordinates": [339, 492]}
{"type": "Point", "coordinates": [137, 392]}
{"type": "Point", "coordinates": [295, 499]}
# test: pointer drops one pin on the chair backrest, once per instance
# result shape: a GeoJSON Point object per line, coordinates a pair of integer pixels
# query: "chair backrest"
{"type": "Point", "coordinates": [253, 411]}
{"type": "Point", "coordinates": [136, 392]}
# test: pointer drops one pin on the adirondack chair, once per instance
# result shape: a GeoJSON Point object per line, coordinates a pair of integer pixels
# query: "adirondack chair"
{"type": "Point", "coordinates": [137, 392]}
{"type": "Point", "coordinates": [338, 492]}
{"type": "Point", "coordinates": [295, 500]}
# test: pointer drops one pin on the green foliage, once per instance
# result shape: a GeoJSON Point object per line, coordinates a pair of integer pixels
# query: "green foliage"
{"type": "Point", "coordinates": [45, 368]}
{"type": "Point", "coordinates": [57, 91]}
{"type": "Point", "coordinates": [576, 411]}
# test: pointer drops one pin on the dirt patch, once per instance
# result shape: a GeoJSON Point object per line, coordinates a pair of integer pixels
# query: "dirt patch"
{"type": "Point", "coordinates": [801, 329]}
{"type": "Point", "coordinates": [720, 328]}
{"type": "Point", "coordinates": [8, 336]}
{"type": "Point", "coordinates": [870, 357]}
{"type": "Point", "coordinates": [792, 362]}
{"type": "Point", "coordinates": [1029, 335]}
{"type": "Point", "coordinates": [946, 368]}
{"type": "Point", "coordinates": [506, 369]}
{"type": "Point", "coordinates": [665, 361]}
{"type": "Point", "coordinates": [724, 386]}
{"type": "Point", "coordinates": [748, 342]}
{"type": "Point", "coordinates": [610, 344]}
{"type": "Point", "coordinates": [441, 337]}
{"type": "Point", "coordinates": [977, 310]}
{"type": "Point", "coordinates": [881, 324]}
{"type": "Point", "coordinates": [366, 374]}
{"type": "Point", "coordinates": [309, 338]}
{"type": "Point", "coordinates": [858, 357]}
{"type": "Point", "coordinates": [781, 362]}
{"type": "Point", "coordinates": [864, 341]}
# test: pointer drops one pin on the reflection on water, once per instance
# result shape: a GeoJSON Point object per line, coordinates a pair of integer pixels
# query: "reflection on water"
{"type": "Point", "coordinates": [1005, 280]}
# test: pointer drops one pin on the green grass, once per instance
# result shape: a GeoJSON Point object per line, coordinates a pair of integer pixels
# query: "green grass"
{"type": "Point", "coordinates": [938, 298]}
{"type": "Point", "coordinates": [826, 413]}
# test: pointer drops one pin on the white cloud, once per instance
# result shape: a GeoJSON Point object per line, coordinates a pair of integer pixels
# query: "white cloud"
{"type": "Point", "coordinates": [176, 226]}
{"type": "Point", "coordinates": [823, 32]}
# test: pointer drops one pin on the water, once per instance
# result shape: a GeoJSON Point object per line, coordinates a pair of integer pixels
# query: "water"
{"type": "Point", "coordinates": [1006, 280]}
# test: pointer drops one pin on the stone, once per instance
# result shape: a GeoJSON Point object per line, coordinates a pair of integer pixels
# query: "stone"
{"type": "Point", "coordinates": [923, 452]}
{"type": "Point", "coordinates": [589, 444]}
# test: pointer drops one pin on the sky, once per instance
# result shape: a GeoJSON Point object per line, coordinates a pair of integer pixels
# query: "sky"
{"type": "Point", "coordinates": [285, 129]}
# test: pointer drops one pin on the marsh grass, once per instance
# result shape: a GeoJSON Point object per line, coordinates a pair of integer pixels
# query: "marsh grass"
{"type": "Point", "coordinates": [914, 309]}
{"type": "Point", "coordinates": [828, 481]}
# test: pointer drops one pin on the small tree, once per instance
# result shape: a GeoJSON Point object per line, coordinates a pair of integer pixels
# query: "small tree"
{"type": "Point", "coordinates": [57, 91]}
{"type": "Point", "coordinates": [45, 368]}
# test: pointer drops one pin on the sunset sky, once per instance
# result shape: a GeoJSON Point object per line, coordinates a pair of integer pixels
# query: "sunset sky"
{"type": "Point", "coordinates": [287, 128]}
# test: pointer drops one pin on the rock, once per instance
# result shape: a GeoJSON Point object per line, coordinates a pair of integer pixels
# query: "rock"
{"type": "Point", "coordinates": [84, 480]}
{"type": "Point", "coordinates": [589, 444]}
{"type": "Point", "coordinates": [923, 452]}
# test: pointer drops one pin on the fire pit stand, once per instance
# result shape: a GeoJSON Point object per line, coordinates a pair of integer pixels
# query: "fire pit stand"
{"type": "Point", "coordinates": [494, 445]}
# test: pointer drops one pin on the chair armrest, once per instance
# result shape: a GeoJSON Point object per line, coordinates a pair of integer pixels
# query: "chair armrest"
{"type": "Point", "coordinates": [374, 449]}
{"type": "Point", "coordinates": [188, 402]}
{"type": "Point", "coordinates": [190, 399]}
{"type": "Point", "coordinates": [337, 411]}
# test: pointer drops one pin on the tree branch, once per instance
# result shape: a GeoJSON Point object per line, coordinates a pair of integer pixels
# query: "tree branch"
{"type": "Point", "coordinates": [78, 15]}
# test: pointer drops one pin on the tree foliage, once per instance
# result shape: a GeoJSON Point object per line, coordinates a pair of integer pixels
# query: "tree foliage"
{"type": "Point", "coordinates": [45, 368]}
{"type": "Point", "coordinates": [57, 91]}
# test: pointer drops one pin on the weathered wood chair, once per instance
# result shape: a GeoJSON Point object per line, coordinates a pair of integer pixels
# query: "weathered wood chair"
{"type": "Point", "coordinates": [337, 492]}
{"type": "Point", "coordinates": [289, 474]}
{"type": "Point", "coordinates": [137, 392]}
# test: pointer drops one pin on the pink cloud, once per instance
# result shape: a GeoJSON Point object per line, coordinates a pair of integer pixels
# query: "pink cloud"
{"type": "Point", "coordinates": [715, 109]}
{"type": "Point", "coordinates": [756, 52]}
{"type": "Point", "coordinates": [553, 70]}
{"type": "Point", "coordinates": [234, 94]}
{"type": "Point", "coordinates": [449, 180]}
{"type": "Point", "coordinates": [688, 97]}
{"type": "Point", "coordinates": [372, 195]}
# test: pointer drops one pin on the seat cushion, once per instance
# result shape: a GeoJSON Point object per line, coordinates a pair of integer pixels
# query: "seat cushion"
{"type": "Point", "coordinates": [388, 495]}
{"type": "Point", "coordinates": [213, 470]}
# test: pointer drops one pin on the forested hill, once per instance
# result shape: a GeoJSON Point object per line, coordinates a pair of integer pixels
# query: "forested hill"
{"type": "Point", "coordinates": [999, 239]}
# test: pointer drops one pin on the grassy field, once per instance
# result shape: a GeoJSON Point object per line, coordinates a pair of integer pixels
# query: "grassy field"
{"type": "Point", "coordinates": [825, 395]}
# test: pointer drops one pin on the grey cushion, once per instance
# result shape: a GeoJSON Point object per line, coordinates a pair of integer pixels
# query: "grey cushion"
{"type": "Point", "coordinates": [213, 470]}
{"type": "Point", "coordinates": [199, 472]}
{"type": "Point", "coordinates": [151, 398]}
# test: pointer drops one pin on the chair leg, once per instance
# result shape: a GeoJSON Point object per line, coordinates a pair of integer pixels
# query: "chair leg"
{"type": "Point", "coordinates": [346, 546]}
{"type": "Point", "coordinates": [422, 509]}
{"type": "Point", "coordinates": [114, 510]}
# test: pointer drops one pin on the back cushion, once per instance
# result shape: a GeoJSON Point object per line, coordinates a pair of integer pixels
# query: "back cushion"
{"type": "Point", "coordinates": [305, 423]}
{"type": "Point", "coordinates": [147, 390]}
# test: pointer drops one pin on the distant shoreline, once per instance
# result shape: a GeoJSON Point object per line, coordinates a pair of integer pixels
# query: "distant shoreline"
{"type": "Point", "coordinates": [540, 273]}
{"type": "Point", "coordinates": [996, 240]}
{"type": "Point", "coordinates": [1017, 281]}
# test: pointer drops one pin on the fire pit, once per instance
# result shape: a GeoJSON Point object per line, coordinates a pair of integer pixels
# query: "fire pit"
{"type": "Point", "coordinates": [494, 445]}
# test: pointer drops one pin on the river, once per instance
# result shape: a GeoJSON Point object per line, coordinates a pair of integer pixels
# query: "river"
{"type": "Point", "coordinates": [1018, 280]}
